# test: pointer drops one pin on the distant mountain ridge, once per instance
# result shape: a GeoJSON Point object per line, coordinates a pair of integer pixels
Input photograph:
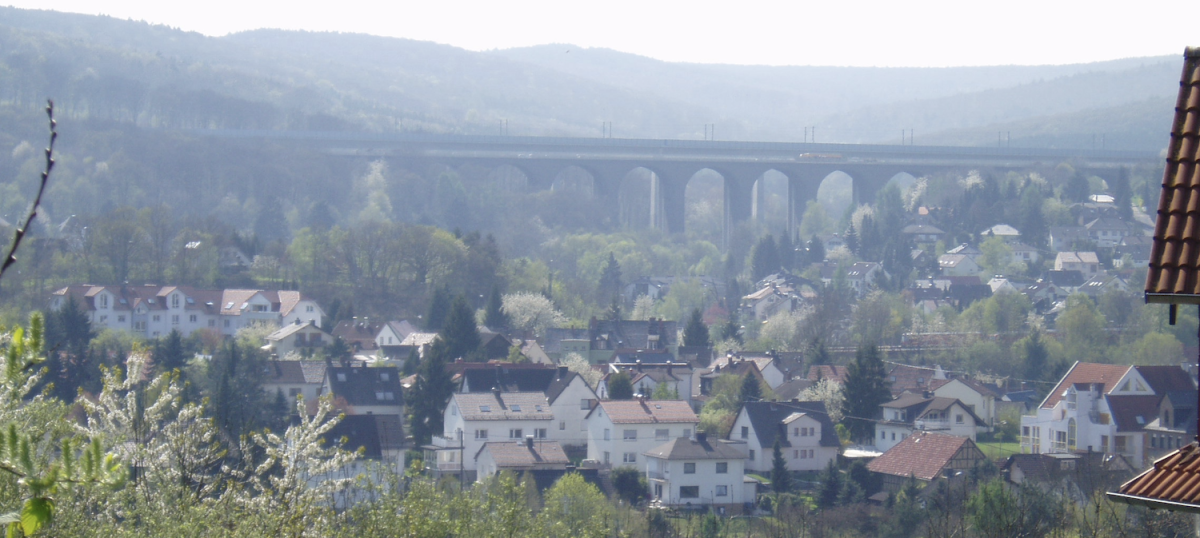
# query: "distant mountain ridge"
{"type": "Point", "coordinates": [155, 76]}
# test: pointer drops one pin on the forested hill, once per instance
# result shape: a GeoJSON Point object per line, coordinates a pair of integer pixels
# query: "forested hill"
{"type": "Point", "coordinates": [155, 76]}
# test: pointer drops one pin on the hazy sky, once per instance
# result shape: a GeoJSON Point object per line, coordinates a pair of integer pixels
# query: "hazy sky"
{"type": "Point", "coordinates": [782, 32]}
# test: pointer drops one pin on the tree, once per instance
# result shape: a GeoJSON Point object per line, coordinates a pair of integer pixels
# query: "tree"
{"type": "Point", "coordinates": [610, 281]}
{"type": "Point", "coordinates": [1036, 357]}
{"type": "Point", "coordinates": [1123, 195]}
{"type": "Point", "coordinates": [460, 333]}
{"type": "Point", "coordinates": [764, 259]}
{"type": "Point", "coordinates": [234, 389]}
{"type": "Point", "coordinates": [816, 250]}
{"type": "Point", "coordinates": [695, 333]}
{"type": "Point", "coordinates": [865, 390]}
{"type": "Point", "coordinates": [494, 317]}
{"type": "Point", "coordinates": [531, 313]}
{"type": "Point", "coordinates": [439, 308]}
{"type": "Point", "coordinates": [169, 354]}
{"type": "Point", "coordinates": [574, 508]}
{"type": "Point", "coordinates": [428, 396]}
{"type": "Point", "coordinates": [1077, 188]}
{"type": "Point", "coordinates": [1030, 217]}
{"type": "Point", "coordinates": [751, 390]}
{"type": "Point", "coordinates": [338, 350]}
{"type": "Point", "coordinates": [630, 484]}
{"type": "Point", "coordinates": [830, 485]}
{"type": "Point", "coordinates": [71, 364]}
{"type": "Point", "coordinates": [620, 386]}
{"type": "Point", "coordinates": [781, 479]}
{"type": "Point", "coordinates": [851, 239]}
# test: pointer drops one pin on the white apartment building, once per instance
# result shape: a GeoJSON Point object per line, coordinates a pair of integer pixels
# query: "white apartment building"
{"type": "Point", "coordinates": [620, 432]}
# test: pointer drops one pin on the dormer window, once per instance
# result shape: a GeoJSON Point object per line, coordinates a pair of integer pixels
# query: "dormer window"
{"type": "Point", "coordinates": [516, 408]}
{"type": "Point", "coordinates": [175, 300]}
{"type": "Point", "coordinates": [104, 301]}
{"type": "Point", "coordinates": [485, 409]}
{"type": "Point", "coordinates": [383, 376]}
{"type": "Point", "coordinates": [341, 376]}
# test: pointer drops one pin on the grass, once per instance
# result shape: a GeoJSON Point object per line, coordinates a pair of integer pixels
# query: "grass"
{"type": "Point", "coordinates": [996, 450]}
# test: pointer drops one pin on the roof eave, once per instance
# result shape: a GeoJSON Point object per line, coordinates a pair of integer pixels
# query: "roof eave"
{"type": "Point", "coordinates": [1172, 298]}
{"type": "Point", "coordinates": [1152, 503]}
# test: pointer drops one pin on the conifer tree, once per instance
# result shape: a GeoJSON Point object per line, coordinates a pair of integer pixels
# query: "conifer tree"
{"type": "Point", "coordinates": [865, 390]}
{"type": "Point", "coordinates": [494, 317]}
{"type": "Point", "coordinates": [460, 333]}
{"type": "Point", "coordinates": [610, 281]}
{"type": "Point", "coordinates": [695, 333]}
{"type": "Point", "coordinates": [620, 386]}
{"type": "Point", "coordinates": [751, 391]}
{"type": "Point", "coordinates": [439, 308]}
{"type": "Point", "coordinates": [428, 396]}
{"type": "Point", "coordinates": [781, 480]}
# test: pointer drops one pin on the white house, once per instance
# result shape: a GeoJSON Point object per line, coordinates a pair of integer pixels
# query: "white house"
{"type": "Point", "coordinates": [298, 337]}
{"type": "Point", "coordinates": [523, 455]}
{"type": "Point", "coordinates": [1102, 407]}
{"type": "Point", "coordinates": [571, 399]}
{"type": "Point", "coordinates": [152, 311]}
{"type": "Point", "coordinates": [978, 397]}
{"type": "Point", "coordinates": [767, 365]}
{"type": "Point", "coordinates": [809, 439]}
{"type": "Point", "coordinates": [914, 412]}
{"type": "Point", "coordinates": [698, 472]}
{"type": "Point", "coordinates": [958, 265]}
{"type": "Point", "coordinates": [394, 332]}
{"type": "Point", "coordinates": [1084, 262]}
{"type": "Point", "coordinates": [470, 420]}
{"type": "Point", "coordinates": [620, 431]}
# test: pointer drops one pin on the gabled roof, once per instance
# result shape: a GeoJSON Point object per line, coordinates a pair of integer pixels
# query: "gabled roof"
{"type": "Point", "coordinates": [1086, 372]}
{"type": "Point", "coordinates": [508, 378]}
{"type": "Point", "coordinates": [643, 411]}
{"type": "Point", "coordinates": [520, 454]}
{"type": "Point", "coordinates": [1165, 379]}
{"type": "Point", "coordinates": [922, 229]}
{"type": "Point", "coordinates": [1076, 257]}
{"type": "Point", "coordinates": [1172, 483]}
{"type": "Point", "coordinates": [419, 339]}
{"type": "Point", "coordinates": [290, 329]}
{"type": "Point", "coordinates": [765, 418]}
{"type": "Point", "coordinates": [818, 372]}
{"type": "Point", "coordinates": [289, 373]}
{"type": "Point", "coordinates": [366, 386]}
{"type": "Point", "coordinates": [922, 455]}
{"type": "Point", "coordinates": [372, 433]}
{"type": "Point", "coordinates": [504, 406]}
{"type": "Point", "coordinates": [562, 381]}
{"type": "Point", "coordinates": [683, 448]}
{"type": "Point", "coordinates": [1133, 413]}
{"type": "Point", "coordinates": [1174, 274]}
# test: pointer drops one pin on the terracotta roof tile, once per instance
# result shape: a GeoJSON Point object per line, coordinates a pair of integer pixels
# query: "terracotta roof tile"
{"type": "Point", "coordinates": [1086, 372]}
{"type": "Point", "coordinates": [504, 406]}
{"type": "Point", "coordinates": [1175, 258]}
{"type": "Point", "coordinates": [1173, 482]}
{"type": "Point", "coordinates": [519, 454]}
{"type": "Point", "coordinates": [648, 411]}
{"type": "Point", "coordinates": [922, 455]}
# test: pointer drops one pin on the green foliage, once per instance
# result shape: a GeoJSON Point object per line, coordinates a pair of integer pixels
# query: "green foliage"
{"type": "Point", "coordinates": [460, 333]}
{"type": "Point", "coordinates": [494, 317]}
{"type": "Point", "coordinates": [620, 386]}
{"type": "Point", "coordinates": [609, 287]}
{"type": "Point", "coordinates": [573, 508]}
{"type": "Point", "coordinates": [750, 391]}
{"type": "Point", "coordinates": [428, 396]}
{"type": "Point", "coordinates": [630, 484]}
{"type": "Point", "coordinates": [439, 309]}
{"type": "Point", "coordinates": [781, 478]}
{"type": "Point", "coordinates": [996, 510]}
{"type": "Point", "coordinates": [695, 333]}
{"type": "Point", "coordinates": [830, 486]}
{"type": "Point", "coordinates": [664, 391]}
{"type": "Point", "coordinates": [865, 389]}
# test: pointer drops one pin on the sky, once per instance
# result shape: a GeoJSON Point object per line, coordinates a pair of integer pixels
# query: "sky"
{"type": "Point", "coordinates": [884, 33]}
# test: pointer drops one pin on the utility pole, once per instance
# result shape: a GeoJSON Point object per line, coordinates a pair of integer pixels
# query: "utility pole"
{"type": "Point", "coordinates": [462, 464]}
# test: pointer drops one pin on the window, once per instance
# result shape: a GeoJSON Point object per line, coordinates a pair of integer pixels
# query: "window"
{"type": "Point", "coordinates": [453, 410]}
{"type": "Point", "coordinates": [629, 457]}
{"type": "Point", "coordinates": [384, 376]}
{"type": "Point", "coordinates": [893, 436]}
{"type": "Point", "coordinates": [607, 458]}
{"type": "Point", "coordinates": [226, 323]}
{"type": "Point", "coordinates": [259, 308]}
{"type": "Point", "coordinates": [103, 319]}
{"type": "Point", "coordinates": [516, 433]}
{"type": "Point", "coordinates": [883, 435]}
{"type": "Point", "coordinates": [192, 318]}
{"type": "Point", "coordinates": [662, 434]}
{"type": "Point", "coordinates": [584, 405]}
{"type": "Point", "coordinates": [795, 454]}
{"type": "Point", "coordinates": [722, 491]}
{"type": "Point", "coordinates": [540, 433]}
{"type": "Point", "coordinates": [607, 435]}
{"type": "Point", "coordinates": [292, 393]}
{"type": "Point", "coordinates": [175, 300]}
{"type": "Point", "coordinates": [795, 432]}
{"type": "Point", "coordinates": [630, 435]}
{"type": "Point", "coordinates": [722, 467]}
{"type": "Point", "coordinates": [157, 317]}
{"type": "Point", "coordinates": [481, 434]}
{"type": "Point", "coordinates": [516, 408]}
{"type": "Point", "coordinates": [103, 301]}
{"type": "Point", "coordinates": [745, 432]}
{"type": "Point", "coordinates": [689, 468]}
{"type": "Point", "coordinates": [310, 308]}
{"type": "Point", "coordinates": [212, 323]}
{"type": "Point", "coordinates": [341, 376]}
{"type": "Point", "coordinates": [175, 319]}
{"type": "Point", "coordinates": [689, 492]}
{"type": "Point", "coordinates": [687, 433]}
{"type": "Point", "coordinates": [562, 425]}
{"type": "Point", "coordinates": [121, 319]}
{"type": "Point", "coordinates": [958, 419]}
{"type": "Point", "coordinates": [751, 456]}
{"type": "Point", "coordinates": [485, 409]}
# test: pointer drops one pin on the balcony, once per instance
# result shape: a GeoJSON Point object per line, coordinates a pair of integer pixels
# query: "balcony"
{"type": "Point", "coordinates": [932, 424]}
{"type": "Point", "coordinates": [656, 475]}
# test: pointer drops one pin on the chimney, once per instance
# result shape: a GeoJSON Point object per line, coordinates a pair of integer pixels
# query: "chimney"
{"type": "Point", "coordinates": [529, 442]}
{"type": "Point", "coordinates": [639, 364]}
{"type": "Point", "coordinates": [496, 393]}
{"type": "Point", "coordinates": [701, 436]}
{"type": "Point", "coordinates": [562, 372]}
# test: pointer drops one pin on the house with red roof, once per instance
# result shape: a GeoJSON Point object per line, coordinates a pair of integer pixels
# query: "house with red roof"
{"type": "Point", "coordinates": [1103, 408]}
{"type": "Point", "coordinates": [926, 456]}
{"type": "Point", "coordinates": [620, 432]}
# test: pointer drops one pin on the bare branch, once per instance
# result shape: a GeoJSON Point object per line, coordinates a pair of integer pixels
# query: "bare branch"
{"type": "Point", "coordinates": [11, 257]}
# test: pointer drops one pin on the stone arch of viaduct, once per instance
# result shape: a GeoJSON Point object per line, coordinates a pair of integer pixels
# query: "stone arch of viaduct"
{"type": "Point", "coordinates": [671, 179]}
